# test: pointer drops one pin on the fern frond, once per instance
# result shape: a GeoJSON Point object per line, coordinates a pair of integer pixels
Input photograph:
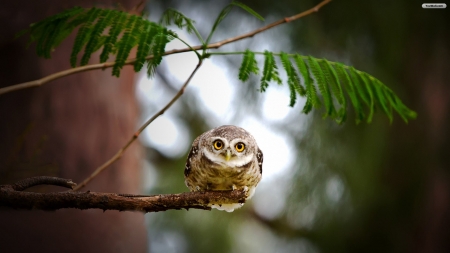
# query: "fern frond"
{"type": "Point", "coordinates": [381, 98]}
{"type": "Point", "coordinates": [93, 43]}
{"type": "Point", "coordinates": [323, 86]}
{"type": "Point", "coordinates": [83, 34]}
{"type": "Point", "coordinates": [333, 79]}
{"type": "Point", "coordinates": [247, 9]}
{"type": "Point", "coordinates": [311, 96]}
{"type": "Point", "coordinates": [270, 71]}
{"type": "Point", "coordinates": [160, 41]}
{"type": "Point", "coordinates": [248, 66]}
{"type": "Point", "coordinates": [293, 78]}
{"type": "Point", "coordinates": [128, 41]}
{"type": "Point", "coordinates": [225, 12]}
{"type": "Point", "coordinates": [344, 77]}
{"type": "Point", "coordinates": [335, 82]}
{"type": "Point", "coordinates": [179, 19]}
{"type": "Point", "coordinates": [114, 31]}
{"type": "Point", "coordinates": [132, 30]}
{"type": "Point", "coordinates": [145, 44]}
{"type": "Point", "coordinates": [47, 32]}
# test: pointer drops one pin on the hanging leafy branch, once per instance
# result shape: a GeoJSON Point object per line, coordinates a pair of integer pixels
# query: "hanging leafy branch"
{"type": "Point", "coordinates": [335, 82]}
{"type": "Point", "coordinates": [126, 31]}
{"type": "Point", "coordinates": [118, 32]}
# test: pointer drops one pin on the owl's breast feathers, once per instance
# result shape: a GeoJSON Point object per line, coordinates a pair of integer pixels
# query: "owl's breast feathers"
{"type": "Point", "coordinates": [201, 173]}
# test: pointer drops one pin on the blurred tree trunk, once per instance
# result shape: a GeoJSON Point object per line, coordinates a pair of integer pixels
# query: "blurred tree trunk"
{"type": "Point", "coordinates": [66, 128]}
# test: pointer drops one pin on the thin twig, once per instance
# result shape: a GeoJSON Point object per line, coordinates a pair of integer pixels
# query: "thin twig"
{"type": "Point", "coordinates": [105, 65]}
{"type": "Point", "coordinates": [33, 181]}
{"type": "Point", "coordinates": [112, 201]}
{"type": "Point", "coordinates": [119, 154]}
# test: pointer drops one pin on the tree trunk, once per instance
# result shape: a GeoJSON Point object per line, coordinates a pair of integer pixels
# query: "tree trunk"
{"type": "Point", "coordinates": [66, 128]}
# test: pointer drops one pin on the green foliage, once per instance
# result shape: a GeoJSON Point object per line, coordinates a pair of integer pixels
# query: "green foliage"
{"type": "Point", "coordinates": [225, 12]}
{"type": "Point", "coordinates": [179, 19]}
{"type": "Point", "coordinates": [249, 65]}
{"type": "Point", "coordinates": [126, 31]}
{"type": "Point", "coordinates": [270, 71]}
{"type": "Point", "coordinates": [335, 82]}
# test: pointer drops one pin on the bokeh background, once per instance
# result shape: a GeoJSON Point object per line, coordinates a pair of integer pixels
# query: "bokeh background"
{"type": "Point", "coordinates": [375, 187]}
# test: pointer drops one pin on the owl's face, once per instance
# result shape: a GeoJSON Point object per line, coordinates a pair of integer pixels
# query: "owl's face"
{"type": "Point", "coordinates": [229, 147]}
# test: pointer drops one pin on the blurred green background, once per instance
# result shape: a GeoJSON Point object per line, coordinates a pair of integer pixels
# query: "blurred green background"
{"type": "Point", "coordinates": [349, 188]}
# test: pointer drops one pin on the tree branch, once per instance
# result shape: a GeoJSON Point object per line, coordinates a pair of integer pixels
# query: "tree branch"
{"type": "Point", "coordinates": [119, 154]}
{"type": "Point", "coordinates": [33, 181]}
{"type": "Point", "coordinates": [9, 197]}
{"type": "Point", "coordinates": [54, 76]}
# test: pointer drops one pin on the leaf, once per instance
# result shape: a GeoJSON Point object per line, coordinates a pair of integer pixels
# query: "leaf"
{"type": "Point", "coordinates": [365, 79]}
{"type": "Point", "coordinates": [311, 96]}
{"type": "Point", "coordinates": [248, 66]}
{"type": "Point", "coordinates": [103, 21]}
{"type": "Point", "coordinates": [114, 31]}
{"type": "Point", "coordinates": [293, 78]}
{"type": "Point", "coordinates": [248, 9]}
{"type": "Point", "coordinates": [270, 71]}
{"type": "Point", "coordinates": [179, 19]}
{"type": "Point", "coordinates": [83, 35]}
{"type": "Point", "coordinates": [333, 80]}
{"type": "Point", "coordinates": [323, 87]}
{"type": "Point", "coordinates": [145, 44]}
{"type": "Point", "coordinates": [225, 12]}
{"type": "Point", "coordinates": [344, 77]}
{"type": "Point", "coordinates": [381, 98]}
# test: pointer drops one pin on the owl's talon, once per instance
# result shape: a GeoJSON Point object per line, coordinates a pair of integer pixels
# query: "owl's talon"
{"type": "Point", "coordinates": [233, 187]}
{"type": "Point", "coordinates": [198, 188]}
{"type": "Point", "coordinates": [245, 189]}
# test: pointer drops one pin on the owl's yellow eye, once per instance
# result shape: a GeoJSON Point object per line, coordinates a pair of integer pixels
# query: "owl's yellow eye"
{"type": "Point", "coordinates": [239, 147]}
{"type": "Point", "coordinates": [218, 144]}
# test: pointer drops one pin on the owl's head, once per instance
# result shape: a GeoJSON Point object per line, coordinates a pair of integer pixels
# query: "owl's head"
{"type": "Point", "coordinates": [229, 145]}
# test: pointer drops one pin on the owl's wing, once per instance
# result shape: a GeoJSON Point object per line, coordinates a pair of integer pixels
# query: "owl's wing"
{"type": "Point", "coordinates": [192, 154]}
{"type": "Point", "coordinates": [259, 157]}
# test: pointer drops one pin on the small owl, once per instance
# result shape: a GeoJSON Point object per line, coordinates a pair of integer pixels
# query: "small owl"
{"type": "Point", "coordinates": [224, 158]}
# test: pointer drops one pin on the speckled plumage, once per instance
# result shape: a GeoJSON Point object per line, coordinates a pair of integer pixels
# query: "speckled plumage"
{"type": "Point", "coordinates": [207, 169]}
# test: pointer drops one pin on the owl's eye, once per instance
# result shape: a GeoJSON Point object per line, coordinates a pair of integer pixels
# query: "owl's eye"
{"type": "Point", "coordinates": [218, 144]}
{"type": "Point", "coordinates": [239, 147]}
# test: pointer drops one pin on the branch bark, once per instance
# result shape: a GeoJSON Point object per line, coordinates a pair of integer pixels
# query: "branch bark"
{"type": "Point", "coordinates": [9, 197]}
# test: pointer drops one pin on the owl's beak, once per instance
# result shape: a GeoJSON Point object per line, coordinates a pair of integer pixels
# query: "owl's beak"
{"type": "Point", "coordinates": [228, 155]}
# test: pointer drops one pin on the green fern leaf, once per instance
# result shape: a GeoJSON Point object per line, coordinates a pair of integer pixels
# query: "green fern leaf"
{"type": "Point", "coordinates": [105, 19]}
{"type": "Point", "coordinates": [248, 9]}
{"type": "Point", "coordinates": [293, 79]}
{"type": "Point", "coordinates": [83, 34]}
{"type": "Point", "coordinates": [114, 31]}
{"type": "Point", "coordinates": [333, 80]}
{"type": "Point", "coordinates": [270, 71]}
{"type": "Point", "coordinates": [128, 41]}
{"type": "Point", "coordinates": [160, 42]}
{"type": "Point", "coordinates": [381, 97]}
{"type": "Point", "coordinates": [225, 12]}
{"type": "Point", "coordinates": [355, 76]}
{"type": "Point", "coordinates": [145, 44]}
{"type": "Point", "coordinates": [344, 77]}
{"type": "Point", "coordinates": [179, 19]}
{"type": "Point", "coordinates": [47, 31]}
{"type": "Point", "coordinates": [365, 79]}
{"type": "Point", "coordinates": [323, 87]}
{"type": "Point", "coordinates": [311, 95]}
{"type": "Point", "coordinates": [248, 66]}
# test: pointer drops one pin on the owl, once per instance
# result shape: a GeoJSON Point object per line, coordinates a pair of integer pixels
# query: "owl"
{"type": "Point", "coordinates": [224, 158]}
